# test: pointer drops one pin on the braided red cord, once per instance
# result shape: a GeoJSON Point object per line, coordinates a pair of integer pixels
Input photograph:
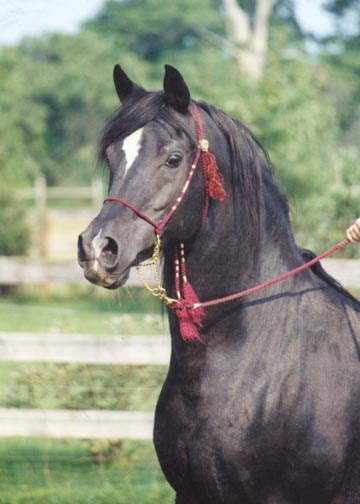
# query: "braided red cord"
{"type": "Point", "coordinates": [138, 212]}
{"type": "Point", "coordinates": [284, 276]}
{"type": "Point", "coordinates": [177, 273]}
{"type": "Point", "coordinates": [200, 132]}
{"type": "Point", "coordinates": [183, 192]}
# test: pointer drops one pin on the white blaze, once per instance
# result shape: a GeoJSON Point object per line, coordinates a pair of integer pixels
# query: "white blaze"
{"type": "Point", "coordinates": [97, 244]}
{"type": "Point", "coordinates": [131, 147]}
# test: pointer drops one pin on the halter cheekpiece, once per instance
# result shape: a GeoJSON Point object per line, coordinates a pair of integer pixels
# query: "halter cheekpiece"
{"type": "Point", "coordinates": [189, 314]}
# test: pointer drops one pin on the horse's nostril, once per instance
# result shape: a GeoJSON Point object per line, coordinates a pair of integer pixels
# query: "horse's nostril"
{"type": "Point", "coordinates": [109, 252]}
{"type": "Point", "coordinates": [84, 251]}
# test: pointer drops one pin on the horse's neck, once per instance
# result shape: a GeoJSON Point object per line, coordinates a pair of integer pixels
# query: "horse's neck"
{"type": "Point", "coordinates": [222, 260]}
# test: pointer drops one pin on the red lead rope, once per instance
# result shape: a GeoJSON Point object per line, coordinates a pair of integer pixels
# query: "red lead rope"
{"type": "Point", "coordinates": [190, 311]}
{"type": "Point", "coordinates": [284, 276]}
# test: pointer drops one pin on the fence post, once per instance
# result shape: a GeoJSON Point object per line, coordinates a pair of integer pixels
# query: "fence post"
{"type": "Point", "coordinates": [41, 215]}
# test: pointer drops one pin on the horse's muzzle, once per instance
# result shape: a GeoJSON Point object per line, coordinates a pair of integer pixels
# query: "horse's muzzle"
{"type": "Point", "coordinates": [98, 256]}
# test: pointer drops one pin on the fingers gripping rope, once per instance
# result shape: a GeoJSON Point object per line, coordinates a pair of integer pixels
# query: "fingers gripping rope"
{"type": "Point", "coordinates": [353, 233]}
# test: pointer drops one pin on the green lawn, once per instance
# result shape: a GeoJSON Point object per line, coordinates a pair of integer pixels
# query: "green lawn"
{"type": "Point", "coordinates": [47, 471]}
{"type": "Point", "coordinates": [130, 312]}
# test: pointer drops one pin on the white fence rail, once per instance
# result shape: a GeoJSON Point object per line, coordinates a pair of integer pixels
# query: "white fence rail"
{"type": "Point", "coordinates": [346, 271]}
{"type": "Point", "coordinates": [81, 348]}
{"type": "Point", "coordinates": [84, 348]}
{"type": "Point", "coordinates": [41, 193]}
{"type": "Point", "coordinates": [21, 270]}
{"type": "Point", "coordinates": [24, 271]}
{"type": "Point", "coordinates": [85, 424]}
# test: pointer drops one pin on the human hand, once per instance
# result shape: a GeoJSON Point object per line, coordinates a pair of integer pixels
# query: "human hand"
{"type": "Point", "coordinates": [353, 233]}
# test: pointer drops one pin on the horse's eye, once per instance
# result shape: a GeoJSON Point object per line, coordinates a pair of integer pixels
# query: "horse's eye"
{"type": "Point", "coordinates": [174, 160]}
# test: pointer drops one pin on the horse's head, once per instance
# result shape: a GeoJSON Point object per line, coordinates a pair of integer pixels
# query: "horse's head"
{"type": "Point", "coordinates": [149, 145]}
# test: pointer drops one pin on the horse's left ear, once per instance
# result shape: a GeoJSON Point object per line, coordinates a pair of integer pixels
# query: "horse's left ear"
{"type": "Point", "coordinates": [176, 90]}
{"type": "Point", "coordinates": [123, 84]}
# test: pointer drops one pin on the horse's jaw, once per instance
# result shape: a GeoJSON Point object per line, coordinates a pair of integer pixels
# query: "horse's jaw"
{"type": "Point", "coordinates": [95, 273]}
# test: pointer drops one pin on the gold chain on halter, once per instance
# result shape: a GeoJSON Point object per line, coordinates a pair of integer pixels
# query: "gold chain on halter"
{"type": "Point", "coordinates": [153, 262]}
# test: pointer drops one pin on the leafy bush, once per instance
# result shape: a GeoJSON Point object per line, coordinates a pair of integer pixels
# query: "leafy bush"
{"type": "Point", "coordinates": [79, 386]}
{"type": "Point", "coordinates": [14, 232]}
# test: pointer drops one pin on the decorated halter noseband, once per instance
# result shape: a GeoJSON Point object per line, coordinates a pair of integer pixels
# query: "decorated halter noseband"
{"type": "Point", "coordinates": [190, 317]}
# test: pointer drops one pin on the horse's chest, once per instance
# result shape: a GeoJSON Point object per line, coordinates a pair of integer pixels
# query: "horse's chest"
{"type": "Point", "coordinates": [223, 446]}
{"type": "Point", "coordinates": [212, 446]}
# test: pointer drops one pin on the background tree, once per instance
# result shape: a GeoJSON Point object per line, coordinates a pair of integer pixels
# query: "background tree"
{"type": "Point", "coordinates": [250, 38]}
{"type": "Point", "coordinates": [340, 53]}
{"type": "Point", "coordinates": [57, 91]}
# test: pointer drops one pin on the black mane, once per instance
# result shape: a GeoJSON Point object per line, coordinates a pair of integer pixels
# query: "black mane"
{"type": "Point", "coordinates": [251, 157]}
{"type": "Point", "coordinates": [251, 173]}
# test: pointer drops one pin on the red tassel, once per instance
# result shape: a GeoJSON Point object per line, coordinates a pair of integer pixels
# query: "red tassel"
{"type": "Point", "coordinates": [188, 330]}
{"type": "Point", "coordinates": [213, 178]}
{"type": "Point", "coordinates": [196, 315]}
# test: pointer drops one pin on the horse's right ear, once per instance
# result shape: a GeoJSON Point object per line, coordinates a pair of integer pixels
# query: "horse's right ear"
{"type": "Point", "coordinates": [123, 84]}
{"type": "Point", "coordinates": [176, 90]}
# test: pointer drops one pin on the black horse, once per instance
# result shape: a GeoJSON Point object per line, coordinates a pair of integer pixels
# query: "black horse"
{"type": "Point", "coordinates": [265, 407]}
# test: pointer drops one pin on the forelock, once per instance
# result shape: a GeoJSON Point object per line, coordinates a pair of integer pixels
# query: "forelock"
{"type": "Point", "coordinates": [135, 113]}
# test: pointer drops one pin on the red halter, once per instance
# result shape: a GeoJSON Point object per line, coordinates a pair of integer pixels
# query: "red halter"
{"type": "Point", "coordinates": [189, 316]}
{"type": "Point", "coordinates": [213, 181]}
{"type": "Point", "coordinates": [187, 306]}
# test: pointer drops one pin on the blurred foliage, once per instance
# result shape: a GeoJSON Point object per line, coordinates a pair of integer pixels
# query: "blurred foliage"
{"type": "Point", "coordinates": [14, 238]}
{"type": "Point", "coordinates": [340, 7]}
{"type": "Point", "coordinates": [57, 91]}
{"type": "Point", "coordinates": [81, 386]}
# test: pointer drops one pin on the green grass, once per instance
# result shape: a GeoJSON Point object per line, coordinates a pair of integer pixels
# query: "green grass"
{"type": "Point", "coordinates": [132, 312]}
{"type": "Point", "coordinates": [38, 471]}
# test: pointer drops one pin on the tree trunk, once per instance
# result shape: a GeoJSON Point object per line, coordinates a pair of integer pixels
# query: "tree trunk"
{"type": "Point", "coordinates": [251, 42]}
